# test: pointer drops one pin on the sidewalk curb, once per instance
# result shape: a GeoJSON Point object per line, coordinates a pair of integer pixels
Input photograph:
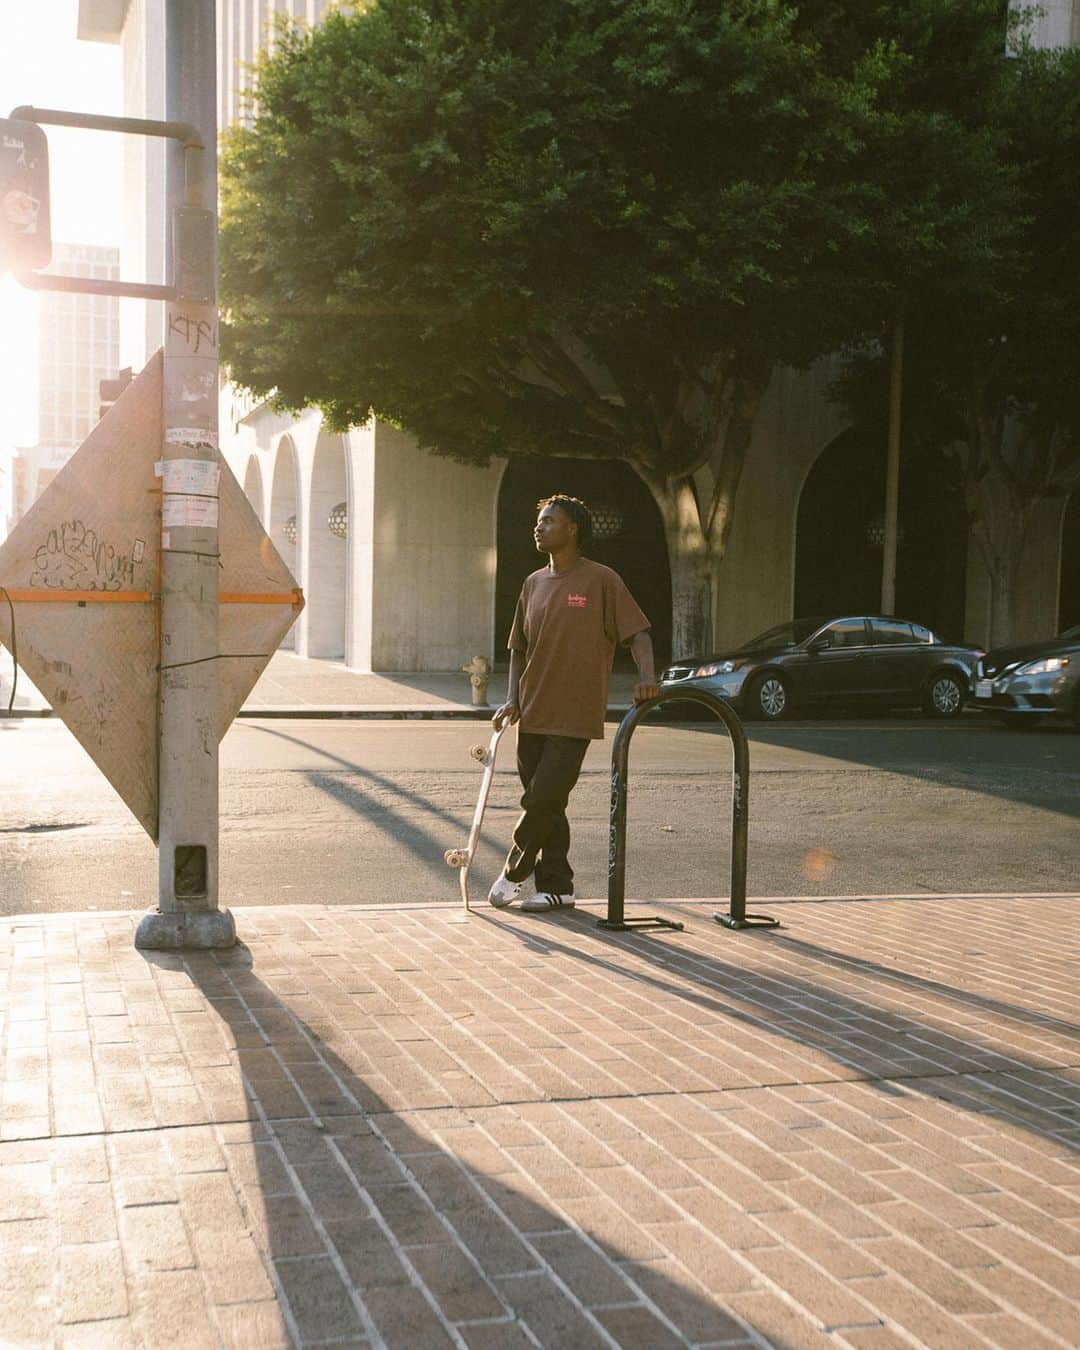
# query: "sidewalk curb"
{"type": "Point", "coordinates": [356, 711]}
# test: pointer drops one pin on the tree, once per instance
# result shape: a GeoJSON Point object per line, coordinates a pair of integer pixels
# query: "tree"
{"type": "Point", "coordinates": [580, 227]}
{"type": "Point", "coordinates": [992, 375]}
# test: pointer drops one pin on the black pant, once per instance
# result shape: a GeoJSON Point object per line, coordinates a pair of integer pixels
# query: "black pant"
{"type": "Point", "coordinates": [548, 767]}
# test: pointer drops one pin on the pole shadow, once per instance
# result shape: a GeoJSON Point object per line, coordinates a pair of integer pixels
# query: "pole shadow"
{"type": "Point", "coordinates": [413, 1226]}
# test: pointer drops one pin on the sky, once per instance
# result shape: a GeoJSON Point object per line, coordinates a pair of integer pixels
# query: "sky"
{"type": "Point", "coordinates": [42, 63]}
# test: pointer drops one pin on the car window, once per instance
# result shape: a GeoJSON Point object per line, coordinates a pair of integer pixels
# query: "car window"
{"type": "Point", "coordinates": [784, 634]}
{"type": "Point", "coordinates": [847, 633]}
{"type": "Point", "coordinates": [891, 632]}
{"type": "Point", "coordinates": [922, 634]}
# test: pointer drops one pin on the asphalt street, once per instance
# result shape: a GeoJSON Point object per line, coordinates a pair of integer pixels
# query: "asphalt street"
{"type": "Point", "coordinates": [353, 812]}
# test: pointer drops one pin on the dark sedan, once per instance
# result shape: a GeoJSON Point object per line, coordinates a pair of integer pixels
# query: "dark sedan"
{"type": "Point", "coordinates": [1027, 683]}
{"type": "Point", "coordinates": [852, 662]}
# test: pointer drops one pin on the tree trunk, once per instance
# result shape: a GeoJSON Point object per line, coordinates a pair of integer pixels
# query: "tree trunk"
{"type": "Point", "coordinates": [1000, 514]}
{"type": "Point", "coordinates": [692, 578]}
{"type": "Point", "coordinates": [892, 473]}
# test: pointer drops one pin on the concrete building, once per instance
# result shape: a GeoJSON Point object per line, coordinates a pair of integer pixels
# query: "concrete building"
{"type": "Point", "coordinates": [412, 562]}
{"type": "Point", "coordinates": [78, 346]}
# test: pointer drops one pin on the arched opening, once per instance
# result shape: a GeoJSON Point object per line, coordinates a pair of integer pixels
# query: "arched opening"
{"type": "Point", "coordinates": [1069, 595]}
{"type": "Point", "coordinates": [629, 536]}
{"type": "Point", "coordinates": [253, 488]}
{"type": "Point", "coordinates": [838, 551]}
{"type": "Point", "coordinates": [327, 530]}
{"type": "Point", "coordinates": [283, 522]}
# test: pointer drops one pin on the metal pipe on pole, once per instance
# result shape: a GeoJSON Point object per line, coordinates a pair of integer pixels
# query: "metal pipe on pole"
{"type": "Point", "coordinates": [188, 914]}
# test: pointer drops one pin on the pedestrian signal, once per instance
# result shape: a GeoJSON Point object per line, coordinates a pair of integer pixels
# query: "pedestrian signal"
{"type": "Point", "coordinates": [25, 233]}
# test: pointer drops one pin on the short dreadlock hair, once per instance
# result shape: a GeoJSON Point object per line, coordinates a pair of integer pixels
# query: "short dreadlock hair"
{"type": "Point", "coordinates": [578, 512]}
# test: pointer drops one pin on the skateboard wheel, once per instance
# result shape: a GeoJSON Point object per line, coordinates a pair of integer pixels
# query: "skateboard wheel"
{"type": "Point", "coordinates": [456, 857]}
{"type": "Point", "coordinates": [479, 753]}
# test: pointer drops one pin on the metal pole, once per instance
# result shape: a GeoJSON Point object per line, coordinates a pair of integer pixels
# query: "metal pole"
{"type": "Point", "coordinates": [188, 913]}
{"type": "Point", "coordinates": [892, 473]}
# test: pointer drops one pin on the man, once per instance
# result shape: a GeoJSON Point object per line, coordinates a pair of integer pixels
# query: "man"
{"type": "Point", "coordinates": [569, 617]}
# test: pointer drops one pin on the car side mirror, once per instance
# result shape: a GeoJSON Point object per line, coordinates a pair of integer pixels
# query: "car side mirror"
{"type": "Point", "coordinates": [819, 643]}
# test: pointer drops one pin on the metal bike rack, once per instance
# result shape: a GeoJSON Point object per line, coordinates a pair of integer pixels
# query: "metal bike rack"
{"type": "Point", "coordinates": [737, 916]}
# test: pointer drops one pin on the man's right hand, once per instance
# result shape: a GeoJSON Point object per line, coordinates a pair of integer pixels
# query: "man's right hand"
{"type": "Point", "coordinates": [507, 715]}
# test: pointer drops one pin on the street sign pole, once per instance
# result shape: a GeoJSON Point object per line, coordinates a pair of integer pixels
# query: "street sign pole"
{"type": "Point", "coordinates": [188, 913]}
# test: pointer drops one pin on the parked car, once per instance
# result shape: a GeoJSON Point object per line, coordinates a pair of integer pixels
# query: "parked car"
{"type": "Point", "coordinates": [852, 661]}
{"type": "Point", "coordinates": [1025, 684]}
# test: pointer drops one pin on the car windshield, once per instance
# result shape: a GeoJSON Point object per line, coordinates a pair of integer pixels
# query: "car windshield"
{"type": "Point", "coordinates": [784, 634]}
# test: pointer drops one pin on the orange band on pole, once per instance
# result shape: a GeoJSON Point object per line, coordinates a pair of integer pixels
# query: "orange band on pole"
{"type": "Point", "coordinates": [23, 597]}
{"type": "Point", "coordinates": [80, 597]}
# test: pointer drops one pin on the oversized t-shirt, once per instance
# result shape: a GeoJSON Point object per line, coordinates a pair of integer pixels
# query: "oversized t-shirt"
{"type": "Point", "coordinates": [567, 624]}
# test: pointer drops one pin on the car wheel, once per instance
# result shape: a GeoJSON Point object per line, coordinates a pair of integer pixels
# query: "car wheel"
{"type": "Point", "coordinates": [945, 696]}
{"type": "Point", "coordinates": [768, 697]}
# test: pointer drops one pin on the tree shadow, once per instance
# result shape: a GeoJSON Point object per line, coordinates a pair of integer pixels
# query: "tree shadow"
{"type": "Point", "coordinates": [411, 1222]}
{"type": "Point", "coordinates": [1007, 775]}
{"type": "Point", "coordinates": [950, 1055]}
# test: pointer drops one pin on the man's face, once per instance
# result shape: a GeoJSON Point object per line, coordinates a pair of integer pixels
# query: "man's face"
{"type": "Point", "coordinates": [554, 530]}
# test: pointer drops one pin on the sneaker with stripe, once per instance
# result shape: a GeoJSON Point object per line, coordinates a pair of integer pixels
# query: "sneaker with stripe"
{"type": "Point", "coordinates": [543, 901]}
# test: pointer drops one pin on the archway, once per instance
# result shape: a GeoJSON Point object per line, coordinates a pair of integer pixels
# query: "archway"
{"type": "Point", "coordinates": [284, 525]}
{"type": "Point", "coordinates": [327, 572]}
{"type": "Point", "coordinates": [840, 532]}
{"type": "Point", "coordinates": [628, 536]}
{"type": "Point", "coordinates": [253, 486]}
{"type": "Point", "coordinates": [1069, 595]}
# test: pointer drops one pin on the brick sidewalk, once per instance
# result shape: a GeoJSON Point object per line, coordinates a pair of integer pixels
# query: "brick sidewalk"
{"type": "Point", "coordinates": [391, 1127]}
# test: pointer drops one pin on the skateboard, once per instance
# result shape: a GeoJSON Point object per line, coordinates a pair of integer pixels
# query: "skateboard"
{"type": "Point", "coordinates": [462, 858]}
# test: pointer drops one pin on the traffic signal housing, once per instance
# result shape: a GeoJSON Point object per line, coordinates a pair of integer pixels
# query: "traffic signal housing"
{"type": "Point", "coordinates": [25, 227]}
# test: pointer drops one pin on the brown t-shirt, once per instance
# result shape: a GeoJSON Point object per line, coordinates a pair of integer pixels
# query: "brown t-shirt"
{"type": "Point", "coordinates": [567, 624]}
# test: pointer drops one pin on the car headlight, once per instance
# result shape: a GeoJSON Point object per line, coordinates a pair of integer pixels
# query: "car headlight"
{"type": "Point", "coordinates": [718, 668]}
{"type": "Point", "coordinates": [1047, 666]}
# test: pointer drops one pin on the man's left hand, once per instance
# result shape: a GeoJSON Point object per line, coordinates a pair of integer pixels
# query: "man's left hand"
{"type": "Point", "coordinates": [643, 692]}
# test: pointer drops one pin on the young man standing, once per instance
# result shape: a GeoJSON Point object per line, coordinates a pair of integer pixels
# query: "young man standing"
{"type": "Point", "coordinates": [569, 617]}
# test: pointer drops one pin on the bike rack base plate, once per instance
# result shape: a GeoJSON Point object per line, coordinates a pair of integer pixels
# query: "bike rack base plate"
{"type": "Point", "coordinates": [748, 921]}
{"type": "Point", "coordinates": [626, 925]}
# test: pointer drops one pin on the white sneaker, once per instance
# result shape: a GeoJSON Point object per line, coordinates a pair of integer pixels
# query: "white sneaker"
{"type": "Point", "coordinates": [503, 891]}
{"type": "Point", "coordinates": [543, 901]}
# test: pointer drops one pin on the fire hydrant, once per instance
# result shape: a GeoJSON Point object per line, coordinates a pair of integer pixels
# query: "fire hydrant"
{"type": "Point", "coordinates": [479, 673]}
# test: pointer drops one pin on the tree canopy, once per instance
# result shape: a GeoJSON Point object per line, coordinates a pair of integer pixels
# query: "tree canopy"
{"type": "Point", "coordinates": [992, 361]}
{"type": "Point", "coordinates": [593, 227]}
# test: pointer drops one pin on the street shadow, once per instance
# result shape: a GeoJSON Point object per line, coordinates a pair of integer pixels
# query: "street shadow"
{"type": "Point", "coordinates": [975, 757]}
{"type": "Point", "coordinates": [884, 1046]}
{"type": "Point", "coordinates": [389, 1221]}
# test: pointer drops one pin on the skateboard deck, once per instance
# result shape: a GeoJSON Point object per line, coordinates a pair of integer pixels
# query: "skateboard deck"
{"type": "Point", "coordinates": [462, 858]}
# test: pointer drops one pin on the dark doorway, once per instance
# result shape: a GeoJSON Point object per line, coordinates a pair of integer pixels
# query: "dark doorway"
{"type": "Point", "coordinates": [839, 540]}
{"type": "Point", "coordinates": [1069, 603]}
{"type": "Point", "coordinates": [628, 536]}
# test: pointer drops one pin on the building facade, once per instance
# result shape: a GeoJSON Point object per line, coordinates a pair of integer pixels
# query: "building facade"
{"type": "Point", "coordinates": [411, 562]}
{"type": "Point", "coordinates": [78, 346]}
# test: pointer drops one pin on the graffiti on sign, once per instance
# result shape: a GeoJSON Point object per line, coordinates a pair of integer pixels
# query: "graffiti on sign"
{"type": "Point", "coordinates": [72, 557]}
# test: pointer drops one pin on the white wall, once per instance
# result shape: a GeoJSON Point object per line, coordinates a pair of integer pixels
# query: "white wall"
{"type": "Point", "coordinates": [433, 557]}
{"type": "Point", "coordinates": [1058, 24]}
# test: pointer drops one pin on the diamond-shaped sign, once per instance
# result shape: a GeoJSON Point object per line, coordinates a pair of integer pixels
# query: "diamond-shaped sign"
{"type": "Point", "coordinates": [82, 570]}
